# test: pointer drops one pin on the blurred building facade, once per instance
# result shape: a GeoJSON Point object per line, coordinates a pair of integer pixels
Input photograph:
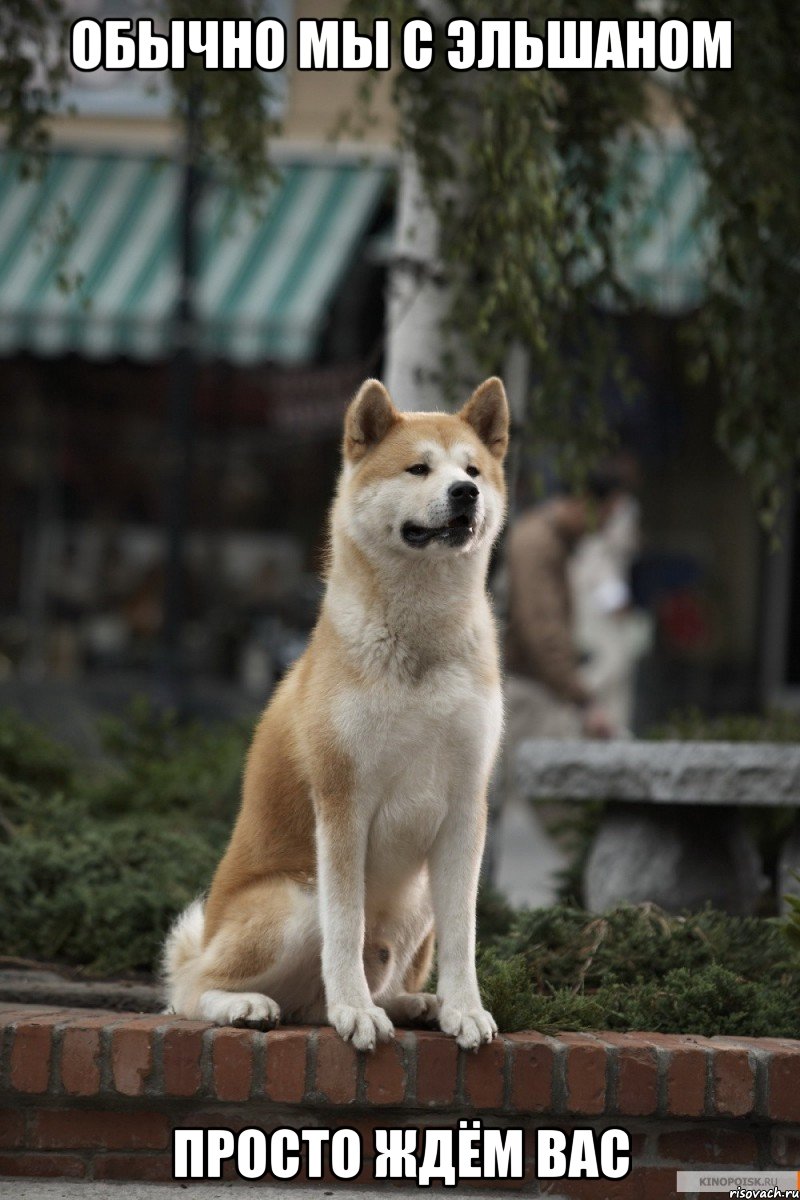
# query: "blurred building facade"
{"type": "Point", "coordinates": [291, 315]}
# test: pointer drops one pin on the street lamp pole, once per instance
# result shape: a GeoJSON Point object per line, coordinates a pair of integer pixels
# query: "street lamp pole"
{"type": "Point", "coordinates": [182, 383]}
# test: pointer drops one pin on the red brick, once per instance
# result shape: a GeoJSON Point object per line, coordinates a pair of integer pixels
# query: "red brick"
{"type": "Point", "coordinates": [771, 1044]}
{"type": "Point", "coordinates": [90, 1018]}
{"type": "Point", "coordinates": [628, 1188]}
{"type": "Point", "coordinates": [82, 1017]}
{"type": "Point", "coordinates": [734, 1083]}
{"type": "Point", "coordinates": [785, 1148]}
{"type": "Point", "coordinates": [232, 1063]}
{"type": "Point", "coordinates": [220, 1117]}
{"type": "Point", "coordinates": [437, 1063]}
{"type": "Point", "coordinates": [709, 1146]}
{"type": "Point", "coordinates": [31, 1054]}
{"type": "Point", "coordinates": [22, 1014]}
{"type": "Point", "coordinates": [656, 1183]}
{"type": "Point", "coordinates": [532, 1073]}
{"type": "Point", "coordinates": [11, 1013]}
{"type": "Point", "coordinates": [285, 1079]}
{"type": "Point", "coordinates": [643, 1183]}
{"type": "Point", "coordinates": [80, 1061]}
{"type": "Point", "coordinates": [687, 1073]}
{"type": "Point", "coordinates": [784, 1085]}
{"type": "Point", "coordinates": [483, 1075]}
{"type": "Point", "coordinates": [41, 1166]}
{"type": "Point", "coordinates": [638, 1143]}
{"type": "Point", "coordinates": [585, 1074]}
{"type": "Point", "coordinates": [366, 1125]}
{"type": "Point", "coordinates": [77, 1129]}
{"type": "Point", "coordinates": [637, 1074]}
{"type": "Point", "coordinates": [131, 1058]}
{"type": "Point", "coordinates": [229, 1172]}
{"type": "Point", "coordinates": [182, 1049]}
{"type": "Point", "coordinates": [337, 1068]}
{"type": "Point", "coordinates": [497, 1185]}
{"type": "Point", "coordinates": [152, 1168]}
{"type": "Point", "coordinates": [12, 1128]}
{"type": "Point", "coordinates": [385, 1073]}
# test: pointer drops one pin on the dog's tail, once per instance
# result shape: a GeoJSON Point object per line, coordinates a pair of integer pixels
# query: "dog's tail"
{"type": "Point", "coordinates": [182, 950]}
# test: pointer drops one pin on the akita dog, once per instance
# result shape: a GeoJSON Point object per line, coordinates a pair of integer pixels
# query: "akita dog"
{"type": "Point", "coordinates": [363, 814]}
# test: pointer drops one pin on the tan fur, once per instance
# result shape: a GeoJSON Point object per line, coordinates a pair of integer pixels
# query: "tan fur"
{"type": "Point", "coordinates": [301, 791]}
{"type": "Point", "coordinates": [417, 974]}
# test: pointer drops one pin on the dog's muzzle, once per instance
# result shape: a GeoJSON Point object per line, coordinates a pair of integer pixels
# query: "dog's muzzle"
{"type": "Point", "coordinates": [462, 498]}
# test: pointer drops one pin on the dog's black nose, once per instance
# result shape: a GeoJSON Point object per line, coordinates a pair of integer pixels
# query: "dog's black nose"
{"type": "Point", "coordinates": [462, 494]}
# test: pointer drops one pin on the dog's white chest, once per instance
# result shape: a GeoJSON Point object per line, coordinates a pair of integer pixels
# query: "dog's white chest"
{"type": "Point", "coordinates": [392, 731]}
{"type": "Point", "coordinates": [416, 750]}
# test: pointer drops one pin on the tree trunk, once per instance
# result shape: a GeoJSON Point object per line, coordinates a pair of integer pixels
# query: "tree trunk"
{"type": "Point", "coordinates": [417, 300]}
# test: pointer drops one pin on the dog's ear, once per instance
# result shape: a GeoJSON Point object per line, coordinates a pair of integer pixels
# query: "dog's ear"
{"type": "Point", "coordinates": [369, 418]}
{"type": "Point", "coordinates": [487, 412]}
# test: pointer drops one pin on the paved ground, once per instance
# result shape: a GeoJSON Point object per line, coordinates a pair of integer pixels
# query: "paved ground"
{"type": "Point", "coordinates": [47, 1189]}
{"type": "Point", "coordinates": [56, 1189]}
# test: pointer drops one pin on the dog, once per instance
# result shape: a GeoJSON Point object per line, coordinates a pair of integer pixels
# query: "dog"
{"type": "Point", "coordinates": [363, 812]}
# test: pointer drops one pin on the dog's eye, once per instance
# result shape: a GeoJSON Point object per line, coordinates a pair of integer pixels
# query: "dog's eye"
{"type": "Point", "coordinates": [419, 469]}
{"type": "Point", "coordinates": [472, 471]}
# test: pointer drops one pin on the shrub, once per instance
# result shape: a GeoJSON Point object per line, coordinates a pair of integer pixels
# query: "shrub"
{"type": "Point", "coordinates": [691, 725]}
{"type": "Point", "coordinates": [100, 894]}
{"type": "Point", "coordinates": [638, 968]}
{"type": "Point", "coordinates": [27, 754]}
{"type": "Point", "coordinates": [95, 862]}
{"type": "Point", "coordinates": [159, 765]}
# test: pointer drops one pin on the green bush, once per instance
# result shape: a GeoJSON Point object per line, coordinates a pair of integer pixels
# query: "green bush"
{"type": "Point", "coordinates": [30, 756]}
{"type": "Point", "coordinates": [691, 725]}
{"type": "Point", "coordinates": [160, 765]}
{"type": "Point", "coordinates": [637, 968]}
{"type": "Point", "coordinates": [100, 895]}
{"type": "Point", "coordinates": [95, 862]}
{"type": "Point", "coordinates": [709, 1002]}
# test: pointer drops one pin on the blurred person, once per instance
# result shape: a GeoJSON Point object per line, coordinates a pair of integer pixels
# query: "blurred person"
{"type": "Point", "coordinates": [547, 695]}
{"type": "Point", "coordinates": [611, 634]}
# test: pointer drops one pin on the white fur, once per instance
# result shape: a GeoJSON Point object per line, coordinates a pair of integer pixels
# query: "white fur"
{"type": "Point", "coordinates": [423, 749]}
{"type": "Point", "coordinates": [239, 1008]}
{"type": "Point", "coordinates": [185, 941]}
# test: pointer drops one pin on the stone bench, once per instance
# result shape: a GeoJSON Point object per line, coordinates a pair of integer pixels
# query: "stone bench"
{"type": "Point", "coordinates": [672, 832]}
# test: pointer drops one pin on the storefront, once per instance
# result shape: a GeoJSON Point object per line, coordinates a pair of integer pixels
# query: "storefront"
{"type": "Point", "coordinates": [288, 316]}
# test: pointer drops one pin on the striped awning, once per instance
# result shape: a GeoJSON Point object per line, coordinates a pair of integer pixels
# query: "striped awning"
{"type": "Point", "coordinates": [89, 257]}
{"type": "Point", "coordinates": [663, 245]}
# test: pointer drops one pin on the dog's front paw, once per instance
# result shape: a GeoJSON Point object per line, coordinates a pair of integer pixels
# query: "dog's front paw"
{"type": "Point", "coordinates": [361, 1026]}
{"type": "Point", "coordinates": [250, 1009]}
{"type": "Point", "coordinates": [413, 1006]}
{"type": "Point", "coordinates": [469, 1026]}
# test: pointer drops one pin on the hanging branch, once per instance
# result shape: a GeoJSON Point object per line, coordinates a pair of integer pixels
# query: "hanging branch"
{"type": "Point", "coordinates": [519, 167]}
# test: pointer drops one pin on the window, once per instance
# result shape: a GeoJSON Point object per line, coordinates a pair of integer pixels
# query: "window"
{"type": "Point", "coordinates": [142, 93]}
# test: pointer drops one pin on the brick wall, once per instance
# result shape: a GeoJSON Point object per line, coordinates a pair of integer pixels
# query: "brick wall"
{"type": "Point", "coordinates": [92, 1094]}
